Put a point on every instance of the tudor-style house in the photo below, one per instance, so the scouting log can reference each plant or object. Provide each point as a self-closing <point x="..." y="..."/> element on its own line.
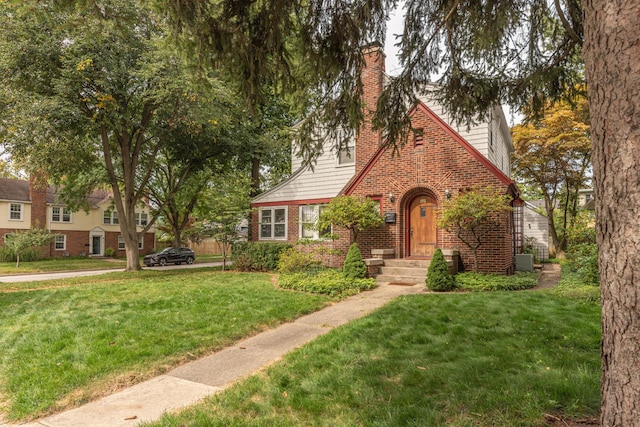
<point x="442" y="160"/>
<point x="23" y="205"/>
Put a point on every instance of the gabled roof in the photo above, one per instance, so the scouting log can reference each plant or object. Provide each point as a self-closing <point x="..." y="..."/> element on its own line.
<point x="17" y="190"/>
<point x="357" y="178"/>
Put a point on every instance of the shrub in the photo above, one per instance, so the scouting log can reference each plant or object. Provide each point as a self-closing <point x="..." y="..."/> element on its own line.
<point x="478" y="282"/>
<point x="354" y="267"/>
<point x="109" y="252"/>
<point x="438" y="277"/>
<point x="9" y="255"/>
<point x="294" y="261"/>
<point x="327" y="282"/>
<point x="573" y="286"/>
<point x="257" y="256"/>
<point x="584" y="260"/>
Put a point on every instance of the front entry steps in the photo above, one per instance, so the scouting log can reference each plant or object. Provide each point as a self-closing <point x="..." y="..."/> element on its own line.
<point x="403" y="271"/>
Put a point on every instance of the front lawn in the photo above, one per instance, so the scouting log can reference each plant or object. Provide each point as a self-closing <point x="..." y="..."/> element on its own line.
<point x="66" y="341"/>
<point x="470" y="359"/>
<point x="60" y="264"/>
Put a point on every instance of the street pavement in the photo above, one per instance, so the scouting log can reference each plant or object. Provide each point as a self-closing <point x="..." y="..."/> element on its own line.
<point x="68" y="274"/>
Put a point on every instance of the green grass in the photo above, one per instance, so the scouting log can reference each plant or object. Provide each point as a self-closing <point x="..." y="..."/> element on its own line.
<point x="471" y="359"/>
<point x="479" y="282"/>
<point x="67" y="341"/>
<point x="59" y="264"/>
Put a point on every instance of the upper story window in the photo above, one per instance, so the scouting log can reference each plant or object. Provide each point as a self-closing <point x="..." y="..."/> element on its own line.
<point x="347" y="155"/>
<point x="110" y="217"/>
<point x="141" y="218"/>
<point x="60" y="214"/>
<point x="16" y="211"/>
<point x="273" y="223"/>
<point x="309" y="215"/>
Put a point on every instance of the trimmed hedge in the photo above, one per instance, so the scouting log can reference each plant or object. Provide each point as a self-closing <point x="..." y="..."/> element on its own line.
<point x="257" y="256"/>
<point x="327" y="282"/>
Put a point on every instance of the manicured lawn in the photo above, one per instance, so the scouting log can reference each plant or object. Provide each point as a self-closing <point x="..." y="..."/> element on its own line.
<point x="67" y="341"/>
<point x="60" y="264"/>
<point x="476" y="359"/>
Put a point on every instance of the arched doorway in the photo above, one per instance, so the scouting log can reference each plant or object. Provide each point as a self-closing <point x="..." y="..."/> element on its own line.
<point x="421" y="230"/>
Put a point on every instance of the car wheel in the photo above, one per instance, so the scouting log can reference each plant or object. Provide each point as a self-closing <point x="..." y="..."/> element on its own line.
<point x="178" y="263"/>
<point x="190" y="260"/>
<point x="162" y="262"/>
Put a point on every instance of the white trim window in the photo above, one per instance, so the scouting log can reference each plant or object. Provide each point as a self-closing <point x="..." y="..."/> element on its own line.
<point x="110" y="217"/>
<point x="60" y="214"/>
<point x="141" y="219"/>
<point x="309" y="215"/>
<point x="273" y="223"/>
<point x="16" y="212"/>
<point x="60" y="242"/>
<point x="121" y="243"/>
<point x="347" y="156"/>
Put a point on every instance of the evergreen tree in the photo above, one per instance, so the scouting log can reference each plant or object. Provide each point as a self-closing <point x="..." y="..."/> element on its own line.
<point x="438" y="277"/>
<point x="354" y="267"/>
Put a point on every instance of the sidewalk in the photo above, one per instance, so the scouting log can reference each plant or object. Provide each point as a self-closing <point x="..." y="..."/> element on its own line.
<point x="191" y="382"/>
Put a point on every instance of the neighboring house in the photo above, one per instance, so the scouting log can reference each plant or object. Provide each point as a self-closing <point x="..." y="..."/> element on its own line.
<point x="586" y="199"/>
<point x="535" y="229"/>
<point x="24" y="205"/>
<point x="439" y="161"/>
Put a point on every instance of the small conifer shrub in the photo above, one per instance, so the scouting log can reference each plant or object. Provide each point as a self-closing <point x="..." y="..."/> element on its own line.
<point x="438" y="277"/>
<point x="354" y="267"/>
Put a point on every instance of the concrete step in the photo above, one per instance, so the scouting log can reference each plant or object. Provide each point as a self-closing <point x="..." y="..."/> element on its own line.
<point x="407" y="263"/>
<point x="404" y="271"/>
<point x="381" y="278"/>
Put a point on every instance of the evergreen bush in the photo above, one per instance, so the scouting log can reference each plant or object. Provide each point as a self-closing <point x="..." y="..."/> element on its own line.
<point x="438" y="277"/>
<point x="354" y="267"/>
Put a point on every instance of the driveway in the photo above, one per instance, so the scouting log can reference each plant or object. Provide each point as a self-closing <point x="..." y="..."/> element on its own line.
<point x="67" y="274"/>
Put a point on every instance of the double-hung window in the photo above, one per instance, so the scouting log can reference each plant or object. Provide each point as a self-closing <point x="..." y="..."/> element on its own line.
<point x="121" y="243"/>
<point x="60" y="242"/>
<point x="110" y="217"/>
<point x="273" y="223"/>
<point x="60" y="214"/>
<point x="16" y="211"/>
<point x="309" y="215"/>
<point x="140" y="218"/>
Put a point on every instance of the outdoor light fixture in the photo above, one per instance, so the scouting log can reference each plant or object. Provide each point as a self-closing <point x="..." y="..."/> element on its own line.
<point x="391" y="198"/>
<point x="447" y="194"/>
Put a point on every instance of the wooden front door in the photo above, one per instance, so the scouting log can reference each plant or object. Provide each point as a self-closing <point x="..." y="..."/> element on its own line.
<point x="422" y="226"/>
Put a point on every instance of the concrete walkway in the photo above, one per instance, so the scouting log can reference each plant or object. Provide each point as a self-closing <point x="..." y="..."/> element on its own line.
<point x="191" y="382"/>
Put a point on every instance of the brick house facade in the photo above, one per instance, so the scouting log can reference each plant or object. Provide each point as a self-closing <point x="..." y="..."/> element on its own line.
<point x="27" y="204"/>
<point x="410" y="185"/>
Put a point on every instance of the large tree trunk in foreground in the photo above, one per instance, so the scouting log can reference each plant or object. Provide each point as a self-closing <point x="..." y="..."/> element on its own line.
<point x="612" y="58"/>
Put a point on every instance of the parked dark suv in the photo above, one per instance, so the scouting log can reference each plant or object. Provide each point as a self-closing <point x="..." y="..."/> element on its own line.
<point x="170" y="255"/>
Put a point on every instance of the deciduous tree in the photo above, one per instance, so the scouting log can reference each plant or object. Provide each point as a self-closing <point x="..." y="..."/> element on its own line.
<point x="353" y="213"/>
<point x="474" y="214"/>
<point x="94" y="93"/>
<point x="553" y="155"/>
<point x="26" y="239"/>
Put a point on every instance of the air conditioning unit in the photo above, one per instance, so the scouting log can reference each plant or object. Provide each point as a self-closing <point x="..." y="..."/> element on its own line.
<point x="524" y="262"/>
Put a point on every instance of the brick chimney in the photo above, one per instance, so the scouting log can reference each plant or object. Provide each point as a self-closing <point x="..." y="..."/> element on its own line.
<point x="372" y="78"/>
<point x="38" y="196"/>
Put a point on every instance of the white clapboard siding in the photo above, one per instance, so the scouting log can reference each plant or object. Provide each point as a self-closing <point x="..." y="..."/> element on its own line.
<point x="536" y="225"/>
<point x="324" y="181"/>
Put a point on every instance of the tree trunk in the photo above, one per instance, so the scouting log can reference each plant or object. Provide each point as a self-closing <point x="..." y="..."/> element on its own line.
<point x="612" y="58"/>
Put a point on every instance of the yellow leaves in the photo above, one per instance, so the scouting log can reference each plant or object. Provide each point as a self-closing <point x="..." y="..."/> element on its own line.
<point x="84" y="64"/>
<point x="104" y="99"/>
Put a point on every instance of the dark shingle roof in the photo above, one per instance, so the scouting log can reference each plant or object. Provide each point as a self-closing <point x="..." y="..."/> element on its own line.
<point x="17" y="190"/>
